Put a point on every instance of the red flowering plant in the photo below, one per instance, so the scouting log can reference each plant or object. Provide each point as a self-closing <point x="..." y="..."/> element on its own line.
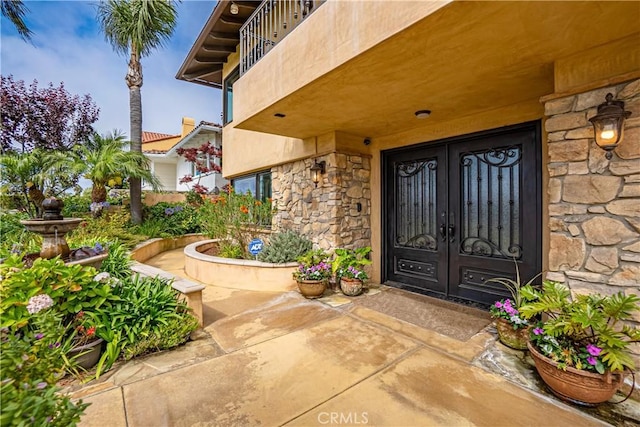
<point x="83" y="331"/>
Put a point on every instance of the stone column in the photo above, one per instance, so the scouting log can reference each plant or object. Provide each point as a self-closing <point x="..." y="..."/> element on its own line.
<point x="336" y="214"/>
<point x="594" y="203"/>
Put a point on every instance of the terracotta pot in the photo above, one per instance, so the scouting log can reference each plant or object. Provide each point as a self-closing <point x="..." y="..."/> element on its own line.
<point x="312" y="288"/>
<point x="351" y="287"/>
<point x="575" y="385"/>
<point x="514" y="338"/>
<point x="86" y="356"/>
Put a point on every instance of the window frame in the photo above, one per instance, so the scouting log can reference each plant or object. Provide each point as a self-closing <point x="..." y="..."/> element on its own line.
<point x="227" y="87"/>
<point x="257" y="175"/>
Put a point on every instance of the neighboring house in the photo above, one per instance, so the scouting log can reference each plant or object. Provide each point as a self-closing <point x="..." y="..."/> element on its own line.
<point x="453" y="135"/>
<point x="169" y="167"/>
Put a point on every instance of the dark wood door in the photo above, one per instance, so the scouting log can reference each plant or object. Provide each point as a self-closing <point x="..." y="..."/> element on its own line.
<point x="460" y="211"/>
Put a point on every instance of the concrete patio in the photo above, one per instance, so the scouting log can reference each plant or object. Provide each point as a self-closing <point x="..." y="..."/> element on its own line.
<point x="278" y="359"/>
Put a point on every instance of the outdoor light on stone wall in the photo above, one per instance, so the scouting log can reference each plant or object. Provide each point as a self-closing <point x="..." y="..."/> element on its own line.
<point x="608" y="124"/>
<point x="318" y="168"/>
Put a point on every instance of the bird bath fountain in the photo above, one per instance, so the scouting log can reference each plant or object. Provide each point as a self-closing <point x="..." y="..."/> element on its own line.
<point x="53" y="229"/>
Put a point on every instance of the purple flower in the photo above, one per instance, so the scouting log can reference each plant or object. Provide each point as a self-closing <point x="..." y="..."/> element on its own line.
<point x="592" y="360"/>
<point x="169" y="211"/>
<point x="593" y="350"/>
<point x="98" y="247"/>
<point x="39" y="336"/>
<point x="498" y="304"/>
<point x="41" y="385"/>
<point x="538" y="331"/>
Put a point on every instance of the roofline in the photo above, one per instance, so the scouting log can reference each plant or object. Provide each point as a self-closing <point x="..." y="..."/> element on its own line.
<point x="204" y="33"/>
<point x="193" y="133"/>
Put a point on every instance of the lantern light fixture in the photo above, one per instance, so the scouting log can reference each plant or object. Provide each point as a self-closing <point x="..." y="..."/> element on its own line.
<point x="234" y="9"/>
<point x="318" y="168"/>
<point x="608" y="124"/>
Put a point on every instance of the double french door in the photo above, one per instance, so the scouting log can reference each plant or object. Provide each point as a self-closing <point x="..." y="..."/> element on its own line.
<point x="460" y="211"/>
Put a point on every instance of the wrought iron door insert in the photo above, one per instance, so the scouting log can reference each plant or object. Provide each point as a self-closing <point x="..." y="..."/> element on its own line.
<point x="455" y="213"/>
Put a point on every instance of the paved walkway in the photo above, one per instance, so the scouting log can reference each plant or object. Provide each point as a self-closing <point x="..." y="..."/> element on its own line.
<point x="278" y="359"/>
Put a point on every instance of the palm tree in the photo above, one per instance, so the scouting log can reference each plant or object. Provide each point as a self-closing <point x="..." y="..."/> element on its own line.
<point x="14" y="11"/>
<point x="104" y="158"/>
<point x="136" y="28"/>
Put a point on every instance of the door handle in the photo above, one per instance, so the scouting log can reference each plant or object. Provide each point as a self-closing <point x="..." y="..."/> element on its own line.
<point x="452" y="227"/>
<point x="443" y="232"/>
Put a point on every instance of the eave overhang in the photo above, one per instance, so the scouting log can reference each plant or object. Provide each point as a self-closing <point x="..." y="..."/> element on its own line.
<point x="218" y="39"/>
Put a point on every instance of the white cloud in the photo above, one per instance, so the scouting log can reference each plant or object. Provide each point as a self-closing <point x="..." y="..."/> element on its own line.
<point x="70" y="48"/>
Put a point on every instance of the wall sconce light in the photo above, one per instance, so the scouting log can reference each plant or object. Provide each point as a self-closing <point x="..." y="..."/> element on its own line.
<point x="318" y="168"/>
<point x="234" y="8"/>
<point x="608" y="124"/>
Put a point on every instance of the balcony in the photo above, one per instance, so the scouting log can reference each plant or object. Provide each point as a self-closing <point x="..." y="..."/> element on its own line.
<point x="268" y="25"/>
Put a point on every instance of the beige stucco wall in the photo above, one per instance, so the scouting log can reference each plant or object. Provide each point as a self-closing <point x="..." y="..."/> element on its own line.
<point x="335" y="33"/>
<point x="340" y="32"/>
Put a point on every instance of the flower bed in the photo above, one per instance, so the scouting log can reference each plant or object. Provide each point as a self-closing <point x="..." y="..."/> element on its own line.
<point x="236" y="273"/>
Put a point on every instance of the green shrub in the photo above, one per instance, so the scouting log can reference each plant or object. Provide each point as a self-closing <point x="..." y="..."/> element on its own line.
<point x="176" y="218"/>
<point x="230" y="250"/>
<point x="32" y="362"/>
<point x="107" y="228"/>
<point x="72" y="289"/>
<point x="76" y="205"/>
<point x="118" y="262"/>
<point x="14" y="238"/>
<point x="152" y="228"/>
<point x="285" y="247"/>
<point x="141" y="320"/>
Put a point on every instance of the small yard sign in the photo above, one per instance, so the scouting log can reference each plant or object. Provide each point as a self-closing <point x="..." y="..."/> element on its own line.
<point x="255" y="246"/>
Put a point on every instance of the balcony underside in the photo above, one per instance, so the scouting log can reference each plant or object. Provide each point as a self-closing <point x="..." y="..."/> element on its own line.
<point x="465" y="58"/>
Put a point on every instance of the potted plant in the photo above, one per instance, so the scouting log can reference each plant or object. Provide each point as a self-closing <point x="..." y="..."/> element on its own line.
<point x="86" y="346"/>
<point x="512" y="328"/>
<point x="348" y="266"/>
<point x="314" y="270"/>
<point x="582" y="348"/>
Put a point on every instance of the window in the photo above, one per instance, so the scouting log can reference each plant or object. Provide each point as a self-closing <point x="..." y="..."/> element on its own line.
<point x="258" y="184"/>
<point x="203" y="161"/>
<point x="227" y="107"/>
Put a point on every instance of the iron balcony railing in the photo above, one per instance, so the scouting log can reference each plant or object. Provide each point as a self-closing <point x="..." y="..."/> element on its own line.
<point x="269" y="24"/>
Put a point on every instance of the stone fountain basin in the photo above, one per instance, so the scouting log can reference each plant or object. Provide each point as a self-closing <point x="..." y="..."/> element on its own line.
<point x="51" y="227"/>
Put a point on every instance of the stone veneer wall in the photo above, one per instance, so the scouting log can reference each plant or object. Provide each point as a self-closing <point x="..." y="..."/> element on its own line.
<point x="594" y="203"/>
<point x="328" y="214"/>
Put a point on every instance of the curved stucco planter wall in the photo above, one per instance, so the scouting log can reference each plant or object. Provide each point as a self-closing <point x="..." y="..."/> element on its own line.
<point x="152" y="247"/>
<point x="236" y="273"/>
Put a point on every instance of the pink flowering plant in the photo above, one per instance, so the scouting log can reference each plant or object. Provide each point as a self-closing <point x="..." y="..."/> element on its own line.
<point x="353" y="273"/>
<point x="588" y="332"/>
<point x="505" y="309"/>
<point x="314" y="265"/>
<point x="509" y="309"/>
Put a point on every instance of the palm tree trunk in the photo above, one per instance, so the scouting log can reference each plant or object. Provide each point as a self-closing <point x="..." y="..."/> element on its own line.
<point x="98" y="193"/>
<point x="134" y="81"/>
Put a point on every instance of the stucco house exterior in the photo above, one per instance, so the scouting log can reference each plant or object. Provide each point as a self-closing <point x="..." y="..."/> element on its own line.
<point x="453" y="136"/>
<point x="169" y="167"/>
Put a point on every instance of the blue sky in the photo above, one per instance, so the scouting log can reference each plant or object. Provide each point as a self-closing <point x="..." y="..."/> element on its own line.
<point x="68" y="47"/>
